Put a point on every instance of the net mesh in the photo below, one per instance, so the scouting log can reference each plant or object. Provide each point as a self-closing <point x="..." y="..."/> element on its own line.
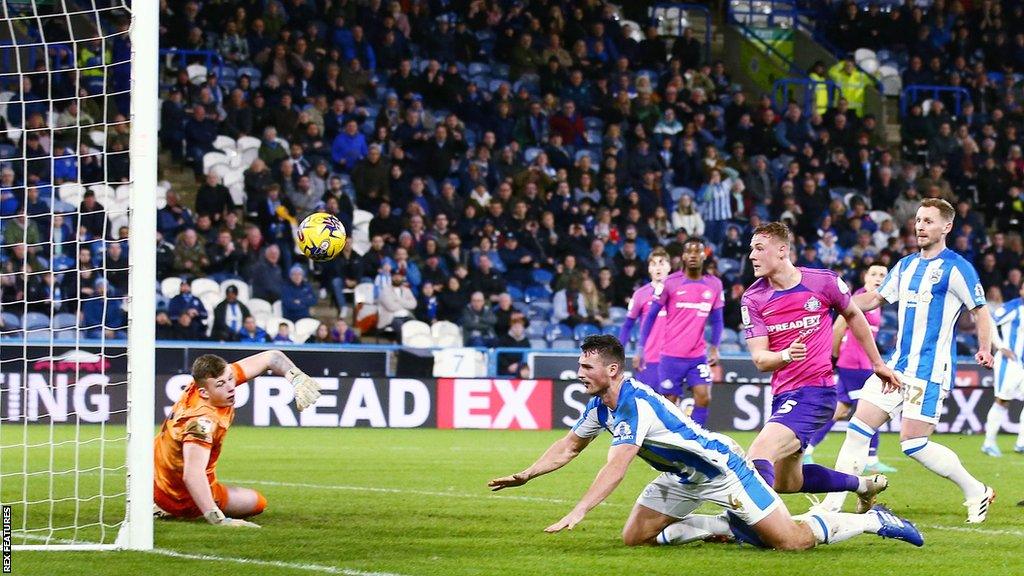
<point x="64" y="213"/>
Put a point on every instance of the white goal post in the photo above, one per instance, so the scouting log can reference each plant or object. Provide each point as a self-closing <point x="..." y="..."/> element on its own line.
<point x="77" y="389"/>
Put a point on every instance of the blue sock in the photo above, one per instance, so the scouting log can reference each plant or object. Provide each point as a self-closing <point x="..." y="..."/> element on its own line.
<point x="766" y="469"/>
<point x="699" y="414"/>
<point x="818" y="480"/>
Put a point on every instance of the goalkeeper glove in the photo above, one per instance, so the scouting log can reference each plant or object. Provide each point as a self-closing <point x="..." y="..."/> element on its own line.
<point x="306" y="389"/>
<point x="217" y="518"/>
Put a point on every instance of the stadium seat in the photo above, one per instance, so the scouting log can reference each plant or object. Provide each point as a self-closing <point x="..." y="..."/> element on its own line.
<point x="730" y="335"/>
<point x="276" y="308"/>
<point x="211" y="159"/>
<point x="446" y="334"/>
<point x="170" y="286"/>
<point x="196" y="73"/>
<point x="730" y="347"/>
<point x="225" y="144"/>
<point x="365" y="293"/>
<point x="521" y="307"/>
<point x="65" y="335"/>
<point x="531" y="154"/>
<point x="258" y="306"/>
<point x="563" y="344"/>
<point x="541" y="308"/>
<point x="583" y="330"/>
<point x="272" y="324"/>
<point x="203" y="285"/>
<point x="616" y="314"/>
<point x="71" y="192"/>
<point x="555" y="331"/>
<point x="248" y="143"/>
<point x="361" y="218"/>
<point x="64" y="320"/>
<point x="243" y="288"/>
<point x="543" y="277"/>
<point x="728" y="265"/>
<point x="538" y="343"/>
<point x="416" y="334"/>
<point x="537" y="329"/>
<point x="36" y="321"/>
<point x="10" y="320"/>
<point x="611" y="330"/>
<point x="305" y="327"/>
<point x="538" y="293"/>
<point x="516" y="293"/>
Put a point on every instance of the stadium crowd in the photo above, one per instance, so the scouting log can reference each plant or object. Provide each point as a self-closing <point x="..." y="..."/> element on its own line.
<point x="508" y="165"/>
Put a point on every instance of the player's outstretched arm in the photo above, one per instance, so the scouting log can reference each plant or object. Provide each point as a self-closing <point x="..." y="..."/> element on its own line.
<point x="196" y="457"/>
<point x="862" y="332"/>
<point x="868" y="301"/>
<point x="619" y="458"/>
<point x="307" y="391"/>
<point x="557" y="455"/>
<point x="983" y="322"/>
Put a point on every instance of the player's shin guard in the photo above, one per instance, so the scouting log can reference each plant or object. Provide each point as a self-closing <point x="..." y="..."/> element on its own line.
<point x="996" y="415"/>
<point x="835" y="527"/>
<point x="694" y="528"/>
<point x="945" y="463"/>
<point x="819" y="479"/>
<point x="852" y="458"/>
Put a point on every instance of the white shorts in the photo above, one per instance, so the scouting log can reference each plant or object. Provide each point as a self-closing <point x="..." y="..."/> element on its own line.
<point x="920" y="400"/>
<point x="1009" y="378"/>
<point x="749" y="498"/>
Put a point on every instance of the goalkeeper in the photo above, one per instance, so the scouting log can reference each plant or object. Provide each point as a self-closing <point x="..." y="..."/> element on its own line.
<point x="190" y="440"/>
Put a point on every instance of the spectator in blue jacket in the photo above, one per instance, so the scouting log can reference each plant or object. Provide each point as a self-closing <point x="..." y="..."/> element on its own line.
<point x="349" y="147"/>
<point x="250" y="332"/>
<point x="297" y="295"/>
<point x="200" y="132"/>
<point x="186" y="301"/>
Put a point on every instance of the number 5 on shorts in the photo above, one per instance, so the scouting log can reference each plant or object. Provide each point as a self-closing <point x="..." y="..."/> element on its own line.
<point x="786" y="407"/>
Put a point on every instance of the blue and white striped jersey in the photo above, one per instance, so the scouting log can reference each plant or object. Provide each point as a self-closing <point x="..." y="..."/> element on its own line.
<point x="669" y="440"/>
<point x="931" y="293"/>
<point x="1009" y="319"/>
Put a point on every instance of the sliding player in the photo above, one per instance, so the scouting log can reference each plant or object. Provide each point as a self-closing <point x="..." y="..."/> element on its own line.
<point x="854" y="369"/>
<point x="697" y="466"/>
<point x="186" y="449"/>
<point x="1009" y="318"/>
<point x="646" y="363"/>
<point x="692" y="300"/>
<point x="787" y="321"/>
<point x="932" y="287"/>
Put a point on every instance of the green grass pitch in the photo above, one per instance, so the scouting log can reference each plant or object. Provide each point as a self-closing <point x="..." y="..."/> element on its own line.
<point x="414" y="502"/>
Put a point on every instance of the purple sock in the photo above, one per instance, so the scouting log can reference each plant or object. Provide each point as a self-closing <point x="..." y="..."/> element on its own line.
<point x="766" y="469"/>
<point x="821" y="433"/>
<point x="818" y="479"/>
<point x="699" y="414"/>
<point x="873" y="448"/>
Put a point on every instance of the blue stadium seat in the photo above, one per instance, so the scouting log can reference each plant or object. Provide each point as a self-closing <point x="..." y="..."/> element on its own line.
<point x="564" y="344"/>
<point x="543" y="277"/>
<point x="537" y="329"/>
<point x="11" y="321"/>
<point x="617" y="314"/>
<point x="36" y="321"/>
<point x="515" y="292"/>
<point x="730" y="347"/>
<point x="583" y="330"/>
<point x="521" y="307"/>
<point x="64" y="320"/>
<point x="538" y="293"/>
<point x="539" y="343"/>
<point x="611" y="330"/>
<point x="555" y="331"/>
<point x="728" y="265"/>
<point x="729" y="335"/>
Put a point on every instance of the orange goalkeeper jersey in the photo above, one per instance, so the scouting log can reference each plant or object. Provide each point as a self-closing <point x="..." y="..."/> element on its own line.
<point x="191" y="420"/>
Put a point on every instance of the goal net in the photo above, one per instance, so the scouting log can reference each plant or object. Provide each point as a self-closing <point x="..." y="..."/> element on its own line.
<point x="77" y="220"/>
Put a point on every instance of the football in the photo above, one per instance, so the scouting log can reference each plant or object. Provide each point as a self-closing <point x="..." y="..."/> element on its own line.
<point x="321" y="236"/>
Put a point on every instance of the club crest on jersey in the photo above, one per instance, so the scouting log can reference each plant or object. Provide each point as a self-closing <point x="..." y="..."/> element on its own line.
<point x="936" y="275"/>
<point x="812" y="304"/>
<point x="707" y="295"/>
<point x="623" y="431"/>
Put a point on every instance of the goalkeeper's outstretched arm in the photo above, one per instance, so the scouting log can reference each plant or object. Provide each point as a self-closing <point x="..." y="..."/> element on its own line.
<point x="306" y="389"/>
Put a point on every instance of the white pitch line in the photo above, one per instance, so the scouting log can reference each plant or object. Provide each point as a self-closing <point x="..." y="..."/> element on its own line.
<point x="438" y="493"/>
<point x="988" y="531"/>
<point x="319" y="568"/>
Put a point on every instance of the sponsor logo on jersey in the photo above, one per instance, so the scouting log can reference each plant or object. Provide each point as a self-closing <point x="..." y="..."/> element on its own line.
<point x="812" y="304"/>
<point x="844" y="288"/>
<point x="745" y="316"/>
<point x="914" y="298"/>
<point x="801" y="324"/>
<point x="698" y="306"/>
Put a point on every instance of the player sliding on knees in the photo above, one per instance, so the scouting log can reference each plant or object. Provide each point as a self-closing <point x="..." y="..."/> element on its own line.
<point x="788" y="327"/>
<point x="190" y="440"/>
<point x="697" y="466"/>
<point x="932" y="287"/>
